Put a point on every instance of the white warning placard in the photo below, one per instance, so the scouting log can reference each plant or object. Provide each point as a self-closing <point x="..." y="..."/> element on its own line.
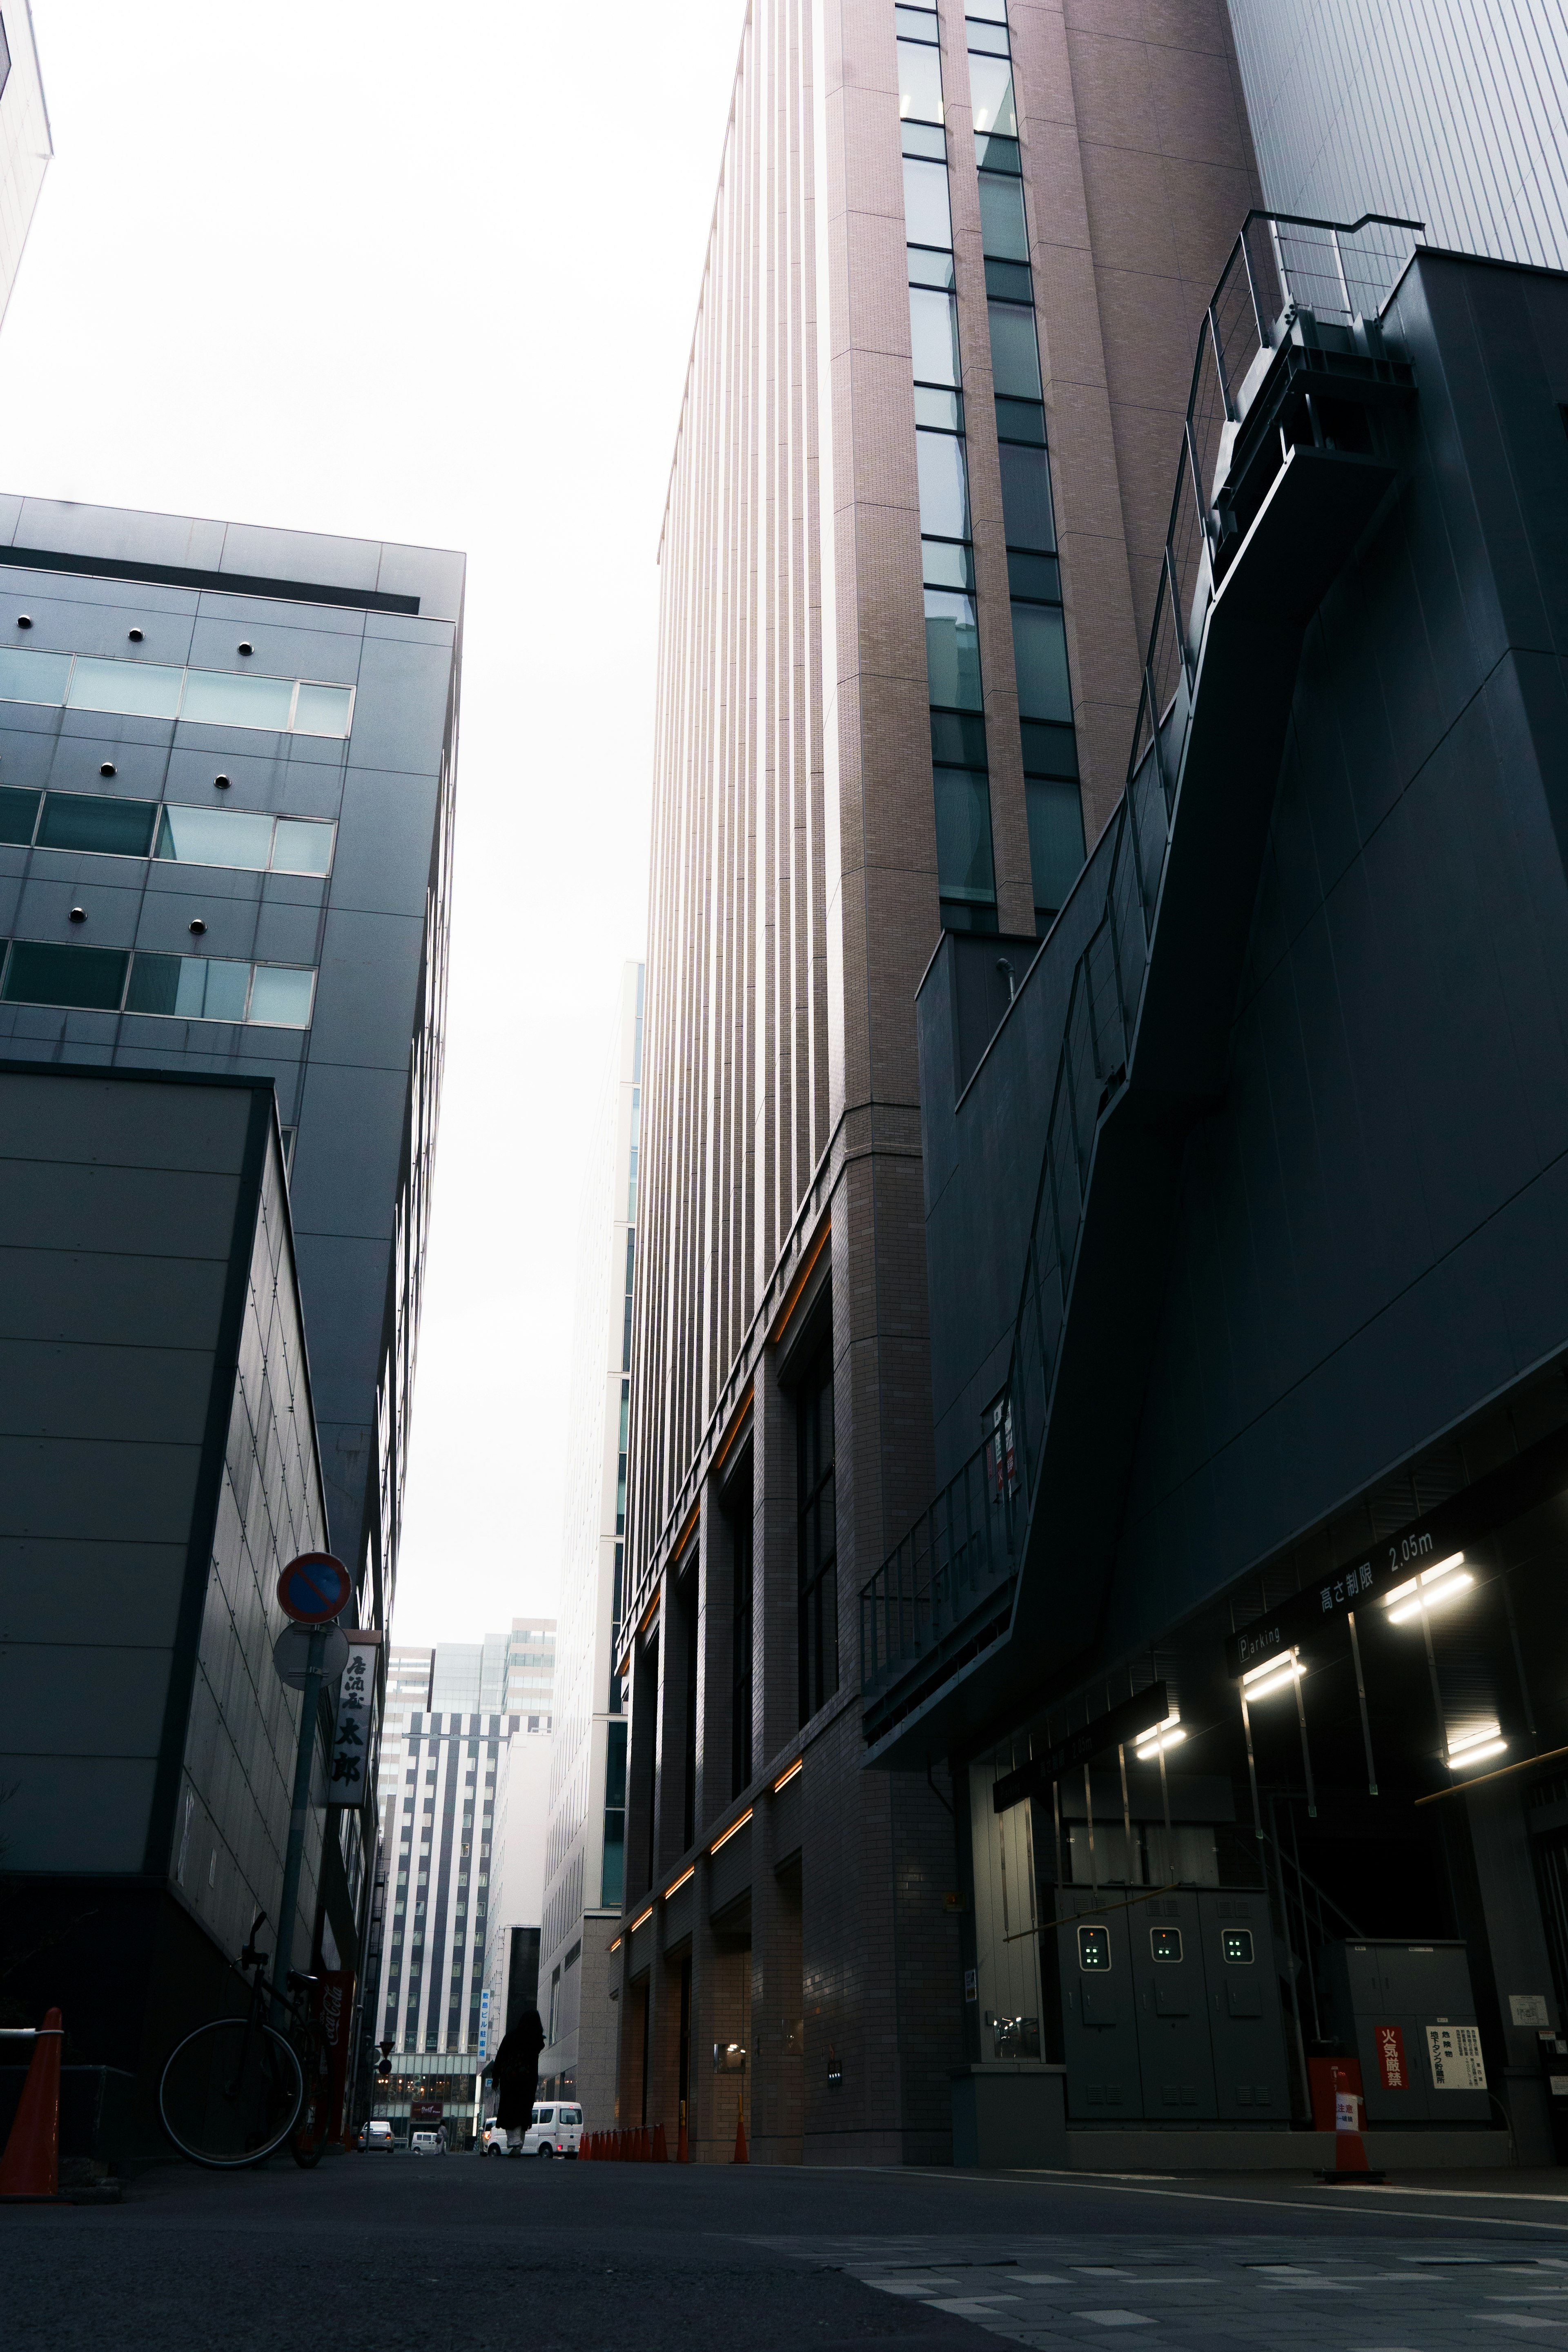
<point x="1455" y="2052"/>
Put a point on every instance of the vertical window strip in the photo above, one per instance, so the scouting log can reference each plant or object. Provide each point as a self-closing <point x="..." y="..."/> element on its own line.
<point x="1047" y="733"/>
<point x="960" y="769"/>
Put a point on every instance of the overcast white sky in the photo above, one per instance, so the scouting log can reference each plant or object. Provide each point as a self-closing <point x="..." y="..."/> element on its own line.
<point x="428" y="274"/>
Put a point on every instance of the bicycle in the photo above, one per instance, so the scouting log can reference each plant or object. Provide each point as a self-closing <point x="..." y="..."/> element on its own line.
<point x="231" y="2092"/>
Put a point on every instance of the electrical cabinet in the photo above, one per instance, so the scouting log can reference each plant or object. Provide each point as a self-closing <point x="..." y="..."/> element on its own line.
<point x="1171" y="2008"/>
<point x="1407" y="2012"/>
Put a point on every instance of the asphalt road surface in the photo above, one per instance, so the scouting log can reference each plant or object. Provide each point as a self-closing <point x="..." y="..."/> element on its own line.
<point x="553" y="2257"/>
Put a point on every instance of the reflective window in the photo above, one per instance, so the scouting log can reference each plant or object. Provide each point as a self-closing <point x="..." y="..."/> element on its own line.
<point x="990" y="39"/>
<point x="1056" y="839"/>
<point x="200" y="988"/>
<point x="928" y="220"/>
<point x="1001" y="229"/>
<point x="322" y="710"/>
<point x="1014" y="352"/>
<point x="1026" y="498"/>
<point x="817" y="1535"/>
<point x="150" y="690"/>
<point x="933" y="336"/>
<point x="1040" y="655"/>
<point x="953" y="650"/>
<point x="301" y="847"/>
<point x="18" y="814"/>
<point x="139" y="689"/>
<point x="84" y="821"/>
<point x="227" y="698"/>
<point x="38" y="972"/>
<point x="963" y="864"/>
<point x="995" y="11"/>
<point x="946" y="564"/>
<point x="991" y="91"/>
<point x="928" y="267"/>
<point x="942" y="411"/>
<point x="920" y="83"/>
<point x="915" y="24"/>
<point x="202" y="836"/>
<point x="280" y="996"/>
<point x="34" y="677"/>
<point x="944" y="485"/>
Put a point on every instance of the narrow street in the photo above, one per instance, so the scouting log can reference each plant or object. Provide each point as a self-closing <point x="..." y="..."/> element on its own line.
<point x="558" y="2257"/>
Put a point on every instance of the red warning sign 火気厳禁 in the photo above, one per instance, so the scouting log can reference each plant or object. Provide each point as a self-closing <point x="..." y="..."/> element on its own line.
<point x="1391" y="2064"/>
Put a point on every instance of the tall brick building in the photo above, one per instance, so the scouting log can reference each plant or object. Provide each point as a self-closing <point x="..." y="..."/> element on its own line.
<point x="919" y="498"/>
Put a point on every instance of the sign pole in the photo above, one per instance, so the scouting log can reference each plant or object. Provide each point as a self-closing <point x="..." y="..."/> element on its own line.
<point x="294" y="1858"/>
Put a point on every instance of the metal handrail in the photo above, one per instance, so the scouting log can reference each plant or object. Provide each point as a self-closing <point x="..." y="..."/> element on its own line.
<point x="953" y="1561"/>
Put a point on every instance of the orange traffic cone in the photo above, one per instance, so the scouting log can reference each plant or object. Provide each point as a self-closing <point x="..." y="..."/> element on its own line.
<point x="660" y="2151"/>
<point x="30" y="2168"/>
<point x="1350" y="2149"/>
<point x="585" y="2148"/>
<point x="740" y="2156"/>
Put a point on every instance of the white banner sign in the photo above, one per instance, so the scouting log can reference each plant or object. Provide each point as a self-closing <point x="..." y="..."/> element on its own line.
<point x="1456" y="2055"/>
<point x="348" y="1783"/>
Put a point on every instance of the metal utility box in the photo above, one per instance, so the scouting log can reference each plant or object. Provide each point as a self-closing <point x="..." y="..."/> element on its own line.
<point x="1171" y="2008"/>
<point x="1407" y="2012"/>
<point x="1246" y="2029"/>
<point x="1099" y="2011"/>
<point x="1175" y="2060"/>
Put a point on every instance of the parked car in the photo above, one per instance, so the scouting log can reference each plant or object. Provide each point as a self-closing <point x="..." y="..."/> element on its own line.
<point x="428" y="2143"/>
<point x="492" y="2137"/>
<point x="554" y="2131"/>
<point x="378" y="2133"/>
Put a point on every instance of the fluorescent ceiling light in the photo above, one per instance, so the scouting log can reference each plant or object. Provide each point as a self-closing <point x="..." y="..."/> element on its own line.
<point x="1471" y="1745"/>
<point x="1160" y="1736"/>
<point x="1278" y="1675"/>
<point x="1443" y="1581"/>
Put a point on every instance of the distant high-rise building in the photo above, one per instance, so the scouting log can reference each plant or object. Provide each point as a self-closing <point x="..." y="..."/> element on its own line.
<point x="1454" y="112"/>
<point x="586" y="1844"/>
<point x="460" y="1793"/>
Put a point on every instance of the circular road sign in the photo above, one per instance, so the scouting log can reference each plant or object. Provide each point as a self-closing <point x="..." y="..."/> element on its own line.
<point x="291" y="1655"/>
<point x="314" y="1588"/>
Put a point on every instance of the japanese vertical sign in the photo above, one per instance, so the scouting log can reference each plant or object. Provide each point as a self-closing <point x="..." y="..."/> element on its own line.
<point x="350" y="1737"/>
<point x="1455" y="2055"/>
<point x="1391" y="2069"/>
<point x="485" y="2027"/>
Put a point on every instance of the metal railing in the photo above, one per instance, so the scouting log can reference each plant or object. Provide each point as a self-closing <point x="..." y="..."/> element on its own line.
<point x="967" y="1548"/>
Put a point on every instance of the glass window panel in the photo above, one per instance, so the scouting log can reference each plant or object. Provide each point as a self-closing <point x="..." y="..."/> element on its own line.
<point x="322" y="710"/>
<point x="34" y="677"/>
<point x="1014" y="352"/>
<point x="1010" y="281"/>
<point x="199" y="837"/>
<point x="986" y="40"/>
<point x="18" y="814"/>
<point x="228" y="698"/>
<point x="991" y="91"/>
<point x="280" y="996"/>
<point x="1056" y="839"/>
<point x="933" y="336"/>
<point x="927" y="268"/>
<point x="919" y="82"/>
<point x="927" y="217"/>
<point x="1001" y="230"/>
<point x="1026" y="510"/>
<point x="993" y="11"/>
<point x="953" y="650"/>
<point x="40" y="973"/>
<point x="957" y="741"/>
<point x="1048" y="750"/>
<point x="195" y="988"/>
<point x="994" y="153"/>
<point x="919" y="24"/>
<point x="946" y="564"/>
<point x="1021" y="420"/>
<point x="84" y="821"/>
<point x="139" y="689"/>
<point x="927" y="139"/>
<point x="1036" y="578"/>
<point x="1040" y="655"/>
<point x="301" y="847"/>
<point x="944" y="485"/>
<point x="942" y="411"/>
<point x="964" y="865"/>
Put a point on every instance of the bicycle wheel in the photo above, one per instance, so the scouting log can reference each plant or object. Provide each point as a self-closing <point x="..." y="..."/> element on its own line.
<point x="230" y="2093"/>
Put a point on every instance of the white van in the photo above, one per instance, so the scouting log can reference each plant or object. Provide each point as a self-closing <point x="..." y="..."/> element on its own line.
<point x="492" y="2139"/>
<point x="428" y="2143"/>
<point x="554" y="2131"/>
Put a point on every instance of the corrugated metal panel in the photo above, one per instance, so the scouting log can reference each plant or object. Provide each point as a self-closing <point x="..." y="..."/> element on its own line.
<point x="1452" y="111"/>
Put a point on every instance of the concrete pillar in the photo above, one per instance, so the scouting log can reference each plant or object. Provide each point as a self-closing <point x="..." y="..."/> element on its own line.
<point x="775" y="1708"/>
<point x="715" y="1604"/>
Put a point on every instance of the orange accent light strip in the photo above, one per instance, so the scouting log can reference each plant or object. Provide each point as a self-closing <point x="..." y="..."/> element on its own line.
<point x="641" y="1921"/>
<point x="785" y="1778"/>
<point x="681" y="1882"/>
<point x="730" y="1833"/>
